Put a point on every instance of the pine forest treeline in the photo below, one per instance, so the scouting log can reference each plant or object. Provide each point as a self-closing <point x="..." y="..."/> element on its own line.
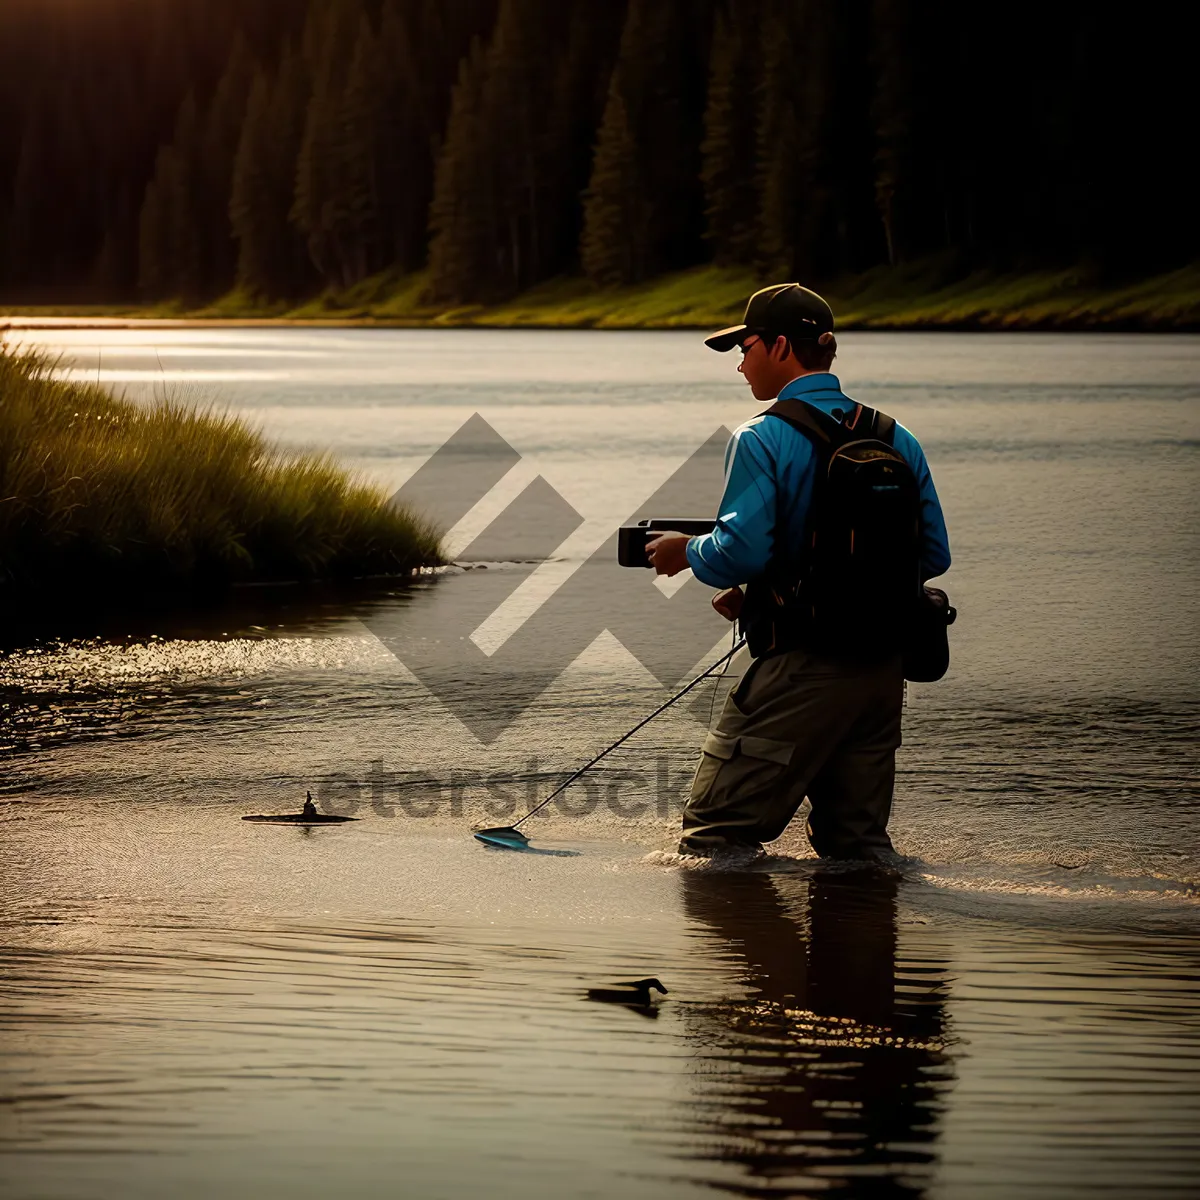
<point x="177" y="149"/>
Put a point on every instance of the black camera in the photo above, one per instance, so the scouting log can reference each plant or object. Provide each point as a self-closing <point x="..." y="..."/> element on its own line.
<point x="632" y="539"/>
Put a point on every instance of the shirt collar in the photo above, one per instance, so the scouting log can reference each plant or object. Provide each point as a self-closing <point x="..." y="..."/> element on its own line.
<point x="819" y="381"/>
<point x="822" y="389"/>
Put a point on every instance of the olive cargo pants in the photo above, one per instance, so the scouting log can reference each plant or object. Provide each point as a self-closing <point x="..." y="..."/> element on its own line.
<point x="800" y="725"/>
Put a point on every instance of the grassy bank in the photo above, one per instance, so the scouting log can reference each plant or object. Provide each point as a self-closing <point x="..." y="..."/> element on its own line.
<point x="104" y="500"/>
<point x="926" y="295"/>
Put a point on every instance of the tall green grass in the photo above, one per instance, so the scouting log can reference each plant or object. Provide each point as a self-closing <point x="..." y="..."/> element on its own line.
<point x="103" y="498"/>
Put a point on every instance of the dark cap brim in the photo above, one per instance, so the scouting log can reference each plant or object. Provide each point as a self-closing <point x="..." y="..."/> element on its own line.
<point x="726" y="339"/>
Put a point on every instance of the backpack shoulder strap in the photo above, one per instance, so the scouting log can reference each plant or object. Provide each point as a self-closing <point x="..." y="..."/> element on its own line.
<point x="819" y="428"/>
<point x="882" y="427"/>
<point x="827" y="432"/>
<point x="871" y="423"/>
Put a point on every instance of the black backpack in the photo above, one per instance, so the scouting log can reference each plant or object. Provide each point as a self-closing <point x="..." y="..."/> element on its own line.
<point x="850" y="590"/>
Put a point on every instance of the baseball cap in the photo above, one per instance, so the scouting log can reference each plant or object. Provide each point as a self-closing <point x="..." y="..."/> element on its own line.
<point x="783" y="308"/>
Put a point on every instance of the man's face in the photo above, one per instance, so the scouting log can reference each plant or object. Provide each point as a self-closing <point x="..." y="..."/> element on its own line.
<point x="758" y="366"/>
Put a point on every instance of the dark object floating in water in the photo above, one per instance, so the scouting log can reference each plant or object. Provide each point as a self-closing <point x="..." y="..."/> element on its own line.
<point x="504" y="837"/>
<point x="634" y="992"/>
<point x="308" y="815"/>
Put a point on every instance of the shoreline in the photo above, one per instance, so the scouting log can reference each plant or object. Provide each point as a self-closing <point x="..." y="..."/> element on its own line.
<point x="80" y="322"/>
<point x="919" y="299"/>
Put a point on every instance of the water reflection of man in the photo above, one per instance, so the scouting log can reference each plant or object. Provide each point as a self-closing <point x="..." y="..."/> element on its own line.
<point x="839" y="1060"/>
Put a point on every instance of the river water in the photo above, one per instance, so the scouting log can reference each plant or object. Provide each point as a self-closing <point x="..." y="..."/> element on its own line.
<point x="193" y="1005"/>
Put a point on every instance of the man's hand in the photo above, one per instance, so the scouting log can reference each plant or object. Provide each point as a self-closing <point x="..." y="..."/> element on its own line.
<point x="729" y="603"/>
<point x="668" y="553"/>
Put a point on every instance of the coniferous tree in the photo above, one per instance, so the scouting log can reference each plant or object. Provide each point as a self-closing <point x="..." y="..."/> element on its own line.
<point x="789" y="138"/>
<point x="329" y="41"/>
<point x="171" y="227"/>
<point x="519" y="147"/>
<point x="460" y="216"/>
<point x="251" y="212"/>
<point x="289" y="106"/>
<point x="443" y="35"/>
<point x="658" y="82"/>
<point x="576" y="109"/>
<point x="882" y="130"/>
<point x="221" y="136"/>
<point x="517" y="94"/>
<point x="423" y="43"/>
<point x="362" y="210"/>
<point x="616" y="212"/>
<point x="731" y="199"/>
<point x="270" y="254"/>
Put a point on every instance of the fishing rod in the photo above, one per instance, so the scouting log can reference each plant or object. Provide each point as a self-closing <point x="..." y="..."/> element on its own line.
<point x="509" y="837"/>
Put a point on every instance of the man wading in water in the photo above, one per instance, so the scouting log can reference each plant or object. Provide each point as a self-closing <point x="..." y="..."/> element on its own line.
<point x="832" y="550"/>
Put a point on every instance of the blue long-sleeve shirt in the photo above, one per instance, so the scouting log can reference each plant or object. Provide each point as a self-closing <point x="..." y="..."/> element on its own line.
<point x="769" y="471"/>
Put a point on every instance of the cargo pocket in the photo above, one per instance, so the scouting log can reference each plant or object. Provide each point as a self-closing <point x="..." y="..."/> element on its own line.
<point x="720" y="746"/>
<point x="768" y="749"/>
<point x="739" y="772"/>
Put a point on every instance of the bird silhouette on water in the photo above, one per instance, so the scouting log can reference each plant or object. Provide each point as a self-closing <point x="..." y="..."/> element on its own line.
<point x="308" y="815"/>
<point x="633" y="991"/>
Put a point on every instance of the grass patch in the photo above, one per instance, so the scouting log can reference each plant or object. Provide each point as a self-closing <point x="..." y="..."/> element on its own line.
<point x="684" y="300"/>
<point x="928" y="294"/>
<point x="925" y="295"/>
<point x="102" y="498"/>
<point x="916" y="298"/>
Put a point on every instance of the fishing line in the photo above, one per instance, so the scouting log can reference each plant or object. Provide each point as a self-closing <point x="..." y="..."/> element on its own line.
<point x="712" y="704"/>
<point x="626" y="736"/>
<point x="506" y="835"/>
